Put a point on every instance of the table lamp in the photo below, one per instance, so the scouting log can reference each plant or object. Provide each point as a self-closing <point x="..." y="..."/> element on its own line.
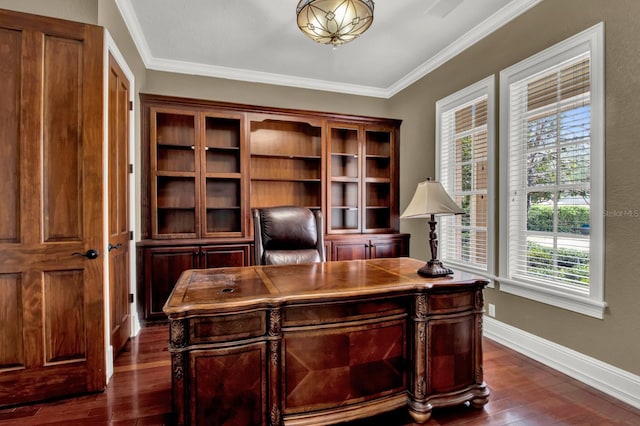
<point x="430" y="200"/>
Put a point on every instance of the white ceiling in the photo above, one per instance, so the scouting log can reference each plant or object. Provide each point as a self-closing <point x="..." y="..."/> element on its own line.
<point x="259" y="41"/>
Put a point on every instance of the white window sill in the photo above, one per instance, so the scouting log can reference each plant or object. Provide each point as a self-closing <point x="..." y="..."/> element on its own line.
<point x="560" y="299"/>
<point x="470" y="269"/>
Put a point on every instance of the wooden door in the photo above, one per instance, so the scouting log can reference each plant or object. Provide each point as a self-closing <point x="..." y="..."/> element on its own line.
<point x="119" y="230"/>
<point x="51" y="214"/>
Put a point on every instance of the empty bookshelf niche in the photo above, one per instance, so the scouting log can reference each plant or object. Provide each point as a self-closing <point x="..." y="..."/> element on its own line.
<point x="286" y="163"/>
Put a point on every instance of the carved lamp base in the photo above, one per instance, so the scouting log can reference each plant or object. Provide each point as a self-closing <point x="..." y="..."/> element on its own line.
<point x="434" y="268"/>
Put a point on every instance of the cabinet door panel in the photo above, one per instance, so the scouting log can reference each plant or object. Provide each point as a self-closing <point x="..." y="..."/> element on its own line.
<point x="216" y="257"/>
<point x="451" y="354"/>
<point x="230" y="386"/>
<point x="163" y="268"/>
<point x="387" y="248"/>
<point x="333" y="367"/>
<point x="349" y="250"/>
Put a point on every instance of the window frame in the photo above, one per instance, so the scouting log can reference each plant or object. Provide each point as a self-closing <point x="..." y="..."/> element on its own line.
<point x="482" y="88"/>
<point x="592" y="304"/>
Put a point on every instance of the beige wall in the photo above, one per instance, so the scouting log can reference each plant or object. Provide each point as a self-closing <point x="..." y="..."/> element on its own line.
<point x="614" y="340"/>
<point x="262" y="94"/>
<point x="74" y="10"/>
<point x="109" y="17"/>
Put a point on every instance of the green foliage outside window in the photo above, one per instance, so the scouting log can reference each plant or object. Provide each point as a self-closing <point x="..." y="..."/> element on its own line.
<point x="571" y="219"/>
<point x="570" y="264"/>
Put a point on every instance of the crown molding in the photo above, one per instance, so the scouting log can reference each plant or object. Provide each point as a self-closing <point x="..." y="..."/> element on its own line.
<point x="133" y="25"/>
<point x="193" y="68"/>
<point x="480" y="31"/>
<point x="497" y="20"/>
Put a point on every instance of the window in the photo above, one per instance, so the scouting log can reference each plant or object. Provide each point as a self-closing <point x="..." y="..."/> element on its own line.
<point x="551" y="187"/>
<point x="465" y="139"/>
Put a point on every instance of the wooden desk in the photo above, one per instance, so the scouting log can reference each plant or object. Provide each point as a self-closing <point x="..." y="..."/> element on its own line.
<point x="323" y="343"/>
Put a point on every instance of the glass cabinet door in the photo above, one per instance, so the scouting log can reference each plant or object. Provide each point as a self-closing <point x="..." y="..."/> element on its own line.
<point x="222" y="154"/>
<point x="344" y="176"/>
<point x="378" y="187"/>
<point x="174" y="169"/>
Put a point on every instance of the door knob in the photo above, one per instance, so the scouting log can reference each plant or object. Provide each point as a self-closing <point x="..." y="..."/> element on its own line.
<point x="90" y="254"/>
<point x="114" y="247"/>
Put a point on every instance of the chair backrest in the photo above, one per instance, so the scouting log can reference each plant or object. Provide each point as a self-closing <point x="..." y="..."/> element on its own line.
<point x="285" y="235"/>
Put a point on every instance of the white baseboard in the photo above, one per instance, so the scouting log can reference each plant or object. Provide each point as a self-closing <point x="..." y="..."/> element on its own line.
<point x="109" y="361"/>
<point x="606" y="378"/>
<point x="135" y="324"/>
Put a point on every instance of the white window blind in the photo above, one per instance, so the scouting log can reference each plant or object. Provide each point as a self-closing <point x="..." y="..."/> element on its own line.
<point x="464" y="137"/>
<point x="549" y="172"/>
<point x="547" y="188"/>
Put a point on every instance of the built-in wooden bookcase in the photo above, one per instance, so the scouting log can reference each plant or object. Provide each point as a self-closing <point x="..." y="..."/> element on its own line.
<point x="286" y="163"/>
<point x="206" y="165"/>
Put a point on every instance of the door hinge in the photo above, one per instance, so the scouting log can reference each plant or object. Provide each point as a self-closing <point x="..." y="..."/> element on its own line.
<point x="130" y="105"/>
<point x="130" y="168"/>
<point x="131" y="235"/>
<point x="130" y="297"/>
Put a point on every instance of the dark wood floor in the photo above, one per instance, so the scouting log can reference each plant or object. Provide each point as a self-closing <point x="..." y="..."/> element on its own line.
<point x="523" y="392"/>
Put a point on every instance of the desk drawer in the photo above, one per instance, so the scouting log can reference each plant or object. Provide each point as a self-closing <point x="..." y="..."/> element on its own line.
<point x="451" y="302"/>
<point x="305" y="315"/>
<point x="227" y="327"/>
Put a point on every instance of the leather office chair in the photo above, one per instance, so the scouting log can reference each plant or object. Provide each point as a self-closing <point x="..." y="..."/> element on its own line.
<point x="286" y="235"/>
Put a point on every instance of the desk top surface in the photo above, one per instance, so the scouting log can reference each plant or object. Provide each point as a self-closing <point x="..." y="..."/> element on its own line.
<point x="200" y="291"/>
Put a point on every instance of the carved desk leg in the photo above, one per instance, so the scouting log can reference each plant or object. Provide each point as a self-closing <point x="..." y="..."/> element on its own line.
<point x="177" y="341"/>
<point x="419" y="408"/>
<point x="481" y="392"/>
<point x="275" y="370"/>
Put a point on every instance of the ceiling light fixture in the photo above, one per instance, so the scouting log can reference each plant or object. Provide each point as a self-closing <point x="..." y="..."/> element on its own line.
<point x="334" y="21"/>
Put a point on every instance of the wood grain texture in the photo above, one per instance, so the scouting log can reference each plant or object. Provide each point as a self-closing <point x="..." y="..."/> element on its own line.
<point x="10" y="85"/>
<point x="53" y="337"/>
<point x="523" y="391"/>
<point x="358" y="338"/>
<point x="118" y="217"/>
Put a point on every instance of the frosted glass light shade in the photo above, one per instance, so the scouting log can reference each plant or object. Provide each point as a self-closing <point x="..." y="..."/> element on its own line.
<point x="334" y="21"/>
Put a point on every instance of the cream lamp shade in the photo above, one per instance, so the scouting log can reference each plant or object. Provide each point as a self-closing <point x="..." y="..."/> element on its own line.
<point x="429" y="199"/>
